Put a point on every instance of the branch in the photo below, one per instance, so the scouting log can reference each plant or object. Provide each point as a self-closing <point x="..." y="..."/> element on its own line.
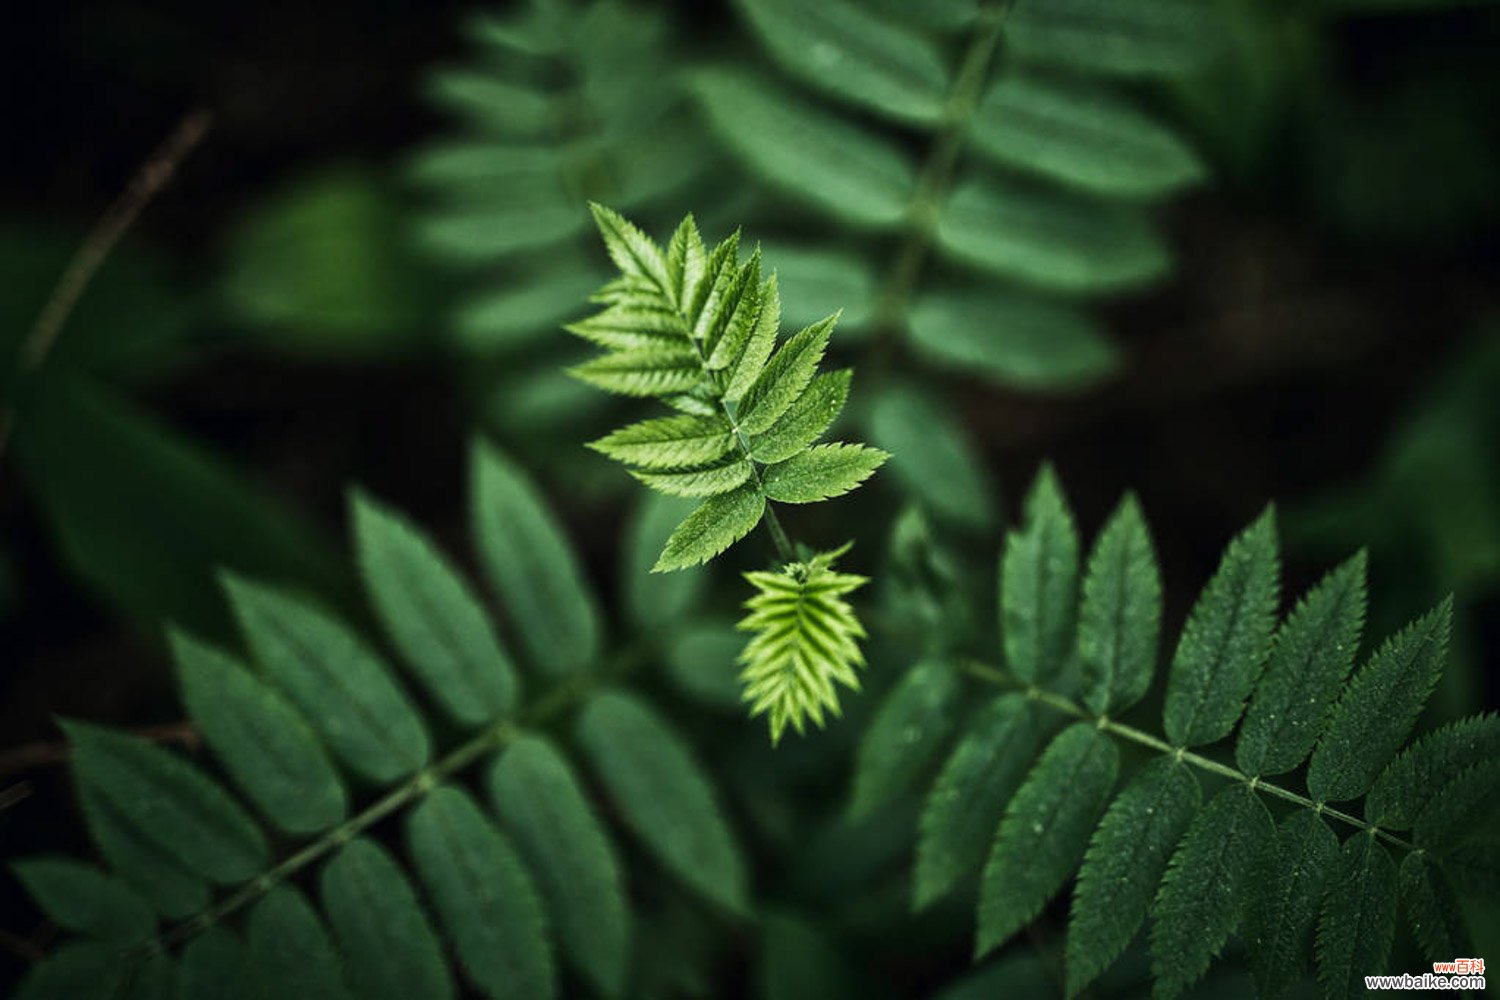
<point x="29" y="755"/>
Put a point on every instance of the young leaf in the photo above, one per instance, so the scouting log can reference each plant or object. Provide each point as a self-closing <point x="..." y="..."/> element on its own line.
<point x="156" y="871"/>
<point x="1126" y="858"/>
<point x="1313" y="651"/>
<point x="715" y="525"/>
<point x="1359" y="918"/>
<point x="784" y="378"/>
<point x="263" y="743"/>
<point x="1378" y="708"/>
<point x="710" y="482"/>
<point x="805" y="421"/>
<point x="933" y="455"/>
<point x="970" y="795"/>
<point x="907" y="732"/>
<point x="665" y="442"/>
<point x="1119" y="620"/>
<point x="1284" y="890"/>
<point x="290" y="950"/>
<point x="543" y="808"/>
<point x="1434" y="913"/>
<point x="1039" y="585"/>
<point x="483" y="896"/>
<point x="1408" y="786"/>
<point x="656" y="601"/>
<point x="663" y="794"/>
<point x="84" y="899"/>
<point x="532" y="566"/>
<point x="1226" y="639"/>
<point x="432" y="616"/>
<point x="390" y="949"/>
<point x="1203" y="891"/>
<point x="687" y="262"/>
<point x="214" y="964"/>
<point x="821" y="472"/>
<point x="1045" y="831"/>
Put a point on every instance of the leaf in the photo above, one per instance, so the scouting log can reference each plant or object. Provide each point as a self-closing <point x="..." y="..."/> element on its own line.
<point x="544" y="809"/>
<point x="1226" y="639"/>
<point x="632" y="250"/>
<point x="701" y="664"/>
<point x="841" y="169"/>
<point x="1203" y="892"/>
<point x="970" y="795"/>
<point x="1051" y="239"/>
<point x="483" y="896"/>
<point x="1045" y="831"/>
<point x="799" y="961"/>
<point x="156" y="871"/>
<point x="1313" y="651"/>
<point x="214" y="964"/>
<point x="669" y="441"/>
<point x="784" y="378"/>
<point x="1126" y="37"/>
<point x="1119" y="618"/>
<point x="1378" y="708"/>
<point x="715" y="525"/>
<point x="821" y="472"/>
<point x="263" y="743"/>
<point x="1359" y="920"/>
<point x="1284" y="890"/>
<point x="76" y="971"/>
<point x="647" y="371"/>
<point x="432" y="616"/>
<point x="814" y="281"/>
<point x="1011" y="339"/>
<point x="933" y="455"/>
<point x="1410" y="783"/>
<point x="1461" y="806"/>
<point x="169" y="803"/>
<point x="905" y="735"/>
<point x="1082" y="135"/>
<point x="532" y="566"/>
<point x="390" y="949"/>
<point x="713" y="481"/>
<point x="82" y="898"/>
<point x="1039" y="585"/>
<point x="656" y="601"/>
<point x="519" y="317"/>
<point x="866" y="60"/>
<point x="1124" y="864"/>
<point x="663" y="795"/>
<point x="805" y="420"/>
<point x="290" y="950"/>
<point x="342" y="687"/>
<point x="492" y="104"/>
<point x="759" y="341"/>
<point x="1432" y="909"/>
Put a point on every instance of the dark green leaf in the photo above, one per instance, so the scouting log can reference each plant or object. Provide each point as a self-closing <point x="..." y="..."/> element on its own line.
<point x="84" y="899"/>
<point x="1409" y="784"/>
<point x="77" y="971"/>
<point x="290" y="950"/>
<point x="1460" y="806"/>
<point x="156" y="871"/>
<point x="1432" y="909"/>
<point x="1119" y="619"/>
<point x="214" y="964"/>
<point x="702" y="663"/>
<point x="906" y="734"/>
<point x="1039" y="585"/>
<point x="933" y="455"/>
<point x="799" y="961"/>
<point x="1130" y="37"/>
<point x="1359" y="918"/>
<point x="1284" y="892"/>
<point x="655" y="601"/>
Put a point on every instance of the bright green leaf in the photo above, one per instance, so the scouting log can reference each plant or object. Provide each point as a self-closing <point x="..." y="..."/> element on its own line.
<point x="821" y="472"/>
<point x="715" y="525"/>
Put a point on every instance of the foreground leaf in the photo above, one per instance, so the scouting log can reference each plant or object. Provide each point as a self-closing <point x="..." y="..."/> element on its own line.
<point x="1119" y="619"/>
<point x="1284" y="892"/>
<point x="1039" y="585"/>
<point x="715" y="525"/>
<point x="1359" y="920"/>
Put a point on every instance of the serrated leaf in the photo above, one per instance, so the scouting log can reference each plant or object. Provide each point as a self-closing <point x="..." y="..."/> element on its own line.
<point x="342" y="687"/>
<point x="1284" y="892"/>
<point x="1127" y="37"/>
<point x="543" y="808"/>
<point x="267" y="748"/>
<point x="77" y="971"/>
<point x="290" y="950"/>
<point x="82" y="898"/>
<point x="933" y="455"/>
<point x="821" y="472"/>
<point x="656" y="601"/>
<point x="663" y="795"/>
<point x="664" y="442"/>
<point x="814" y="281"/>
<point x="532" y="566"/>
<point x="1039" y="585"/>
<point x="1410" y="783"/>
<point x="1082" y="135"/>
<point x="1432" y="909"/>
<point x="906" y="734"/>
<point x="736" y="316"/>
<point x="1045" y="831"/>
<point x="169" y="803"/>
<point x="806" y="420"/>
<point x="156" y="871"/>
<point x="759" y="342"/>
<point x="840" y="168"/>
<point x="1379" y="706"/>
<point x="1119" y="617"/>
<point x="390" y="949"/>
<point x="632" y="250"/>
<point x="1312" y="653"/>
<point x="970" y="795"/>
<point x="646" y="371"/>
<point x="710" y="482"/>
<point x="644" y="323"/>
<point x="1359" y="920"/>
<point x="483" y="896"/>
<point x="432" y="616"/>
<point x="715" y="525"/>
<point x="838" y="47"/>
<point x="1461" y="806"/>
<point x="784" y="378"/>
<point x="214" y="964"/>
<point x="1203" y="892"/>
<point x="687" y="262"/>
<point x="1224" y="644"/>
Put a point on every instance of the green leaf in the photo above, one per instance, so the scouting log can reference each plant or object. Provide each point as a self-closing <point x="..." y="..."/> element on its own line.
<point x="799" y="961"/>
<point x="1284" y="890"/>
<point x="1051" y="239"/>
<point x="490" y="103"/>
<point x="864" y="59"/>
<point x="821" y="472"/>
<point x="82" y="898"/>
<point x="1039" y="585"/>
<point x="1411" y="782"/>
<point x="758" y="343"/>
<point x="483" y="896"/>
<point x="687" y="262"/>
<point x="669" y="441"/>
<point x="290" y="950"/>
<point x="389" y="947"/>
<point x="702" y="663"/>
<point x="342" y="687"/>
<point x="1082" y="135"/>
<point x="1378" y="708"/>
<point x="1119" y="619"/>
<point x="169" y="803"/>
<point x="906" y="734"/>
<point x="214" y="964"/>
<point x="663" y="795"/>
<point x="715" y="525"/>
<point x="647" y="371"/>
<point x="1203" y="892"/>
<point x="544" y="809"/>
<point x="784" y="378"/>
<point x="806" y="420"/>
<point x="1126" y="858"/>
<point x="522" y="316"/>
<point x="1314" y="649"/>
<point x="1127" y="37"/>
<point x="1045" y="831"/>
<point x="710" y="482"/>
<point x="969" y="798"/>
<point x="1432" y="909"/>
<point x="656" y="601"/>
<point x="267" y="748"/>
<point x="842" y="169"/>
<point x="156" y="871"/>
<point x="1460" y="807"/>
<point x="154" y="977"/>
<point x="76" y="971"/>
<point x="632" y="250"/>
<point x="814" y="282"/>
<point x="532" y="566"/>
<point x="472" y="235"/>
<point x="1359" y="919"/>
<point x="1011" y="339"/>
<point x="1226" y="639"/>
<point x="933" y="456"/>
<point x="432" y="616"/>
